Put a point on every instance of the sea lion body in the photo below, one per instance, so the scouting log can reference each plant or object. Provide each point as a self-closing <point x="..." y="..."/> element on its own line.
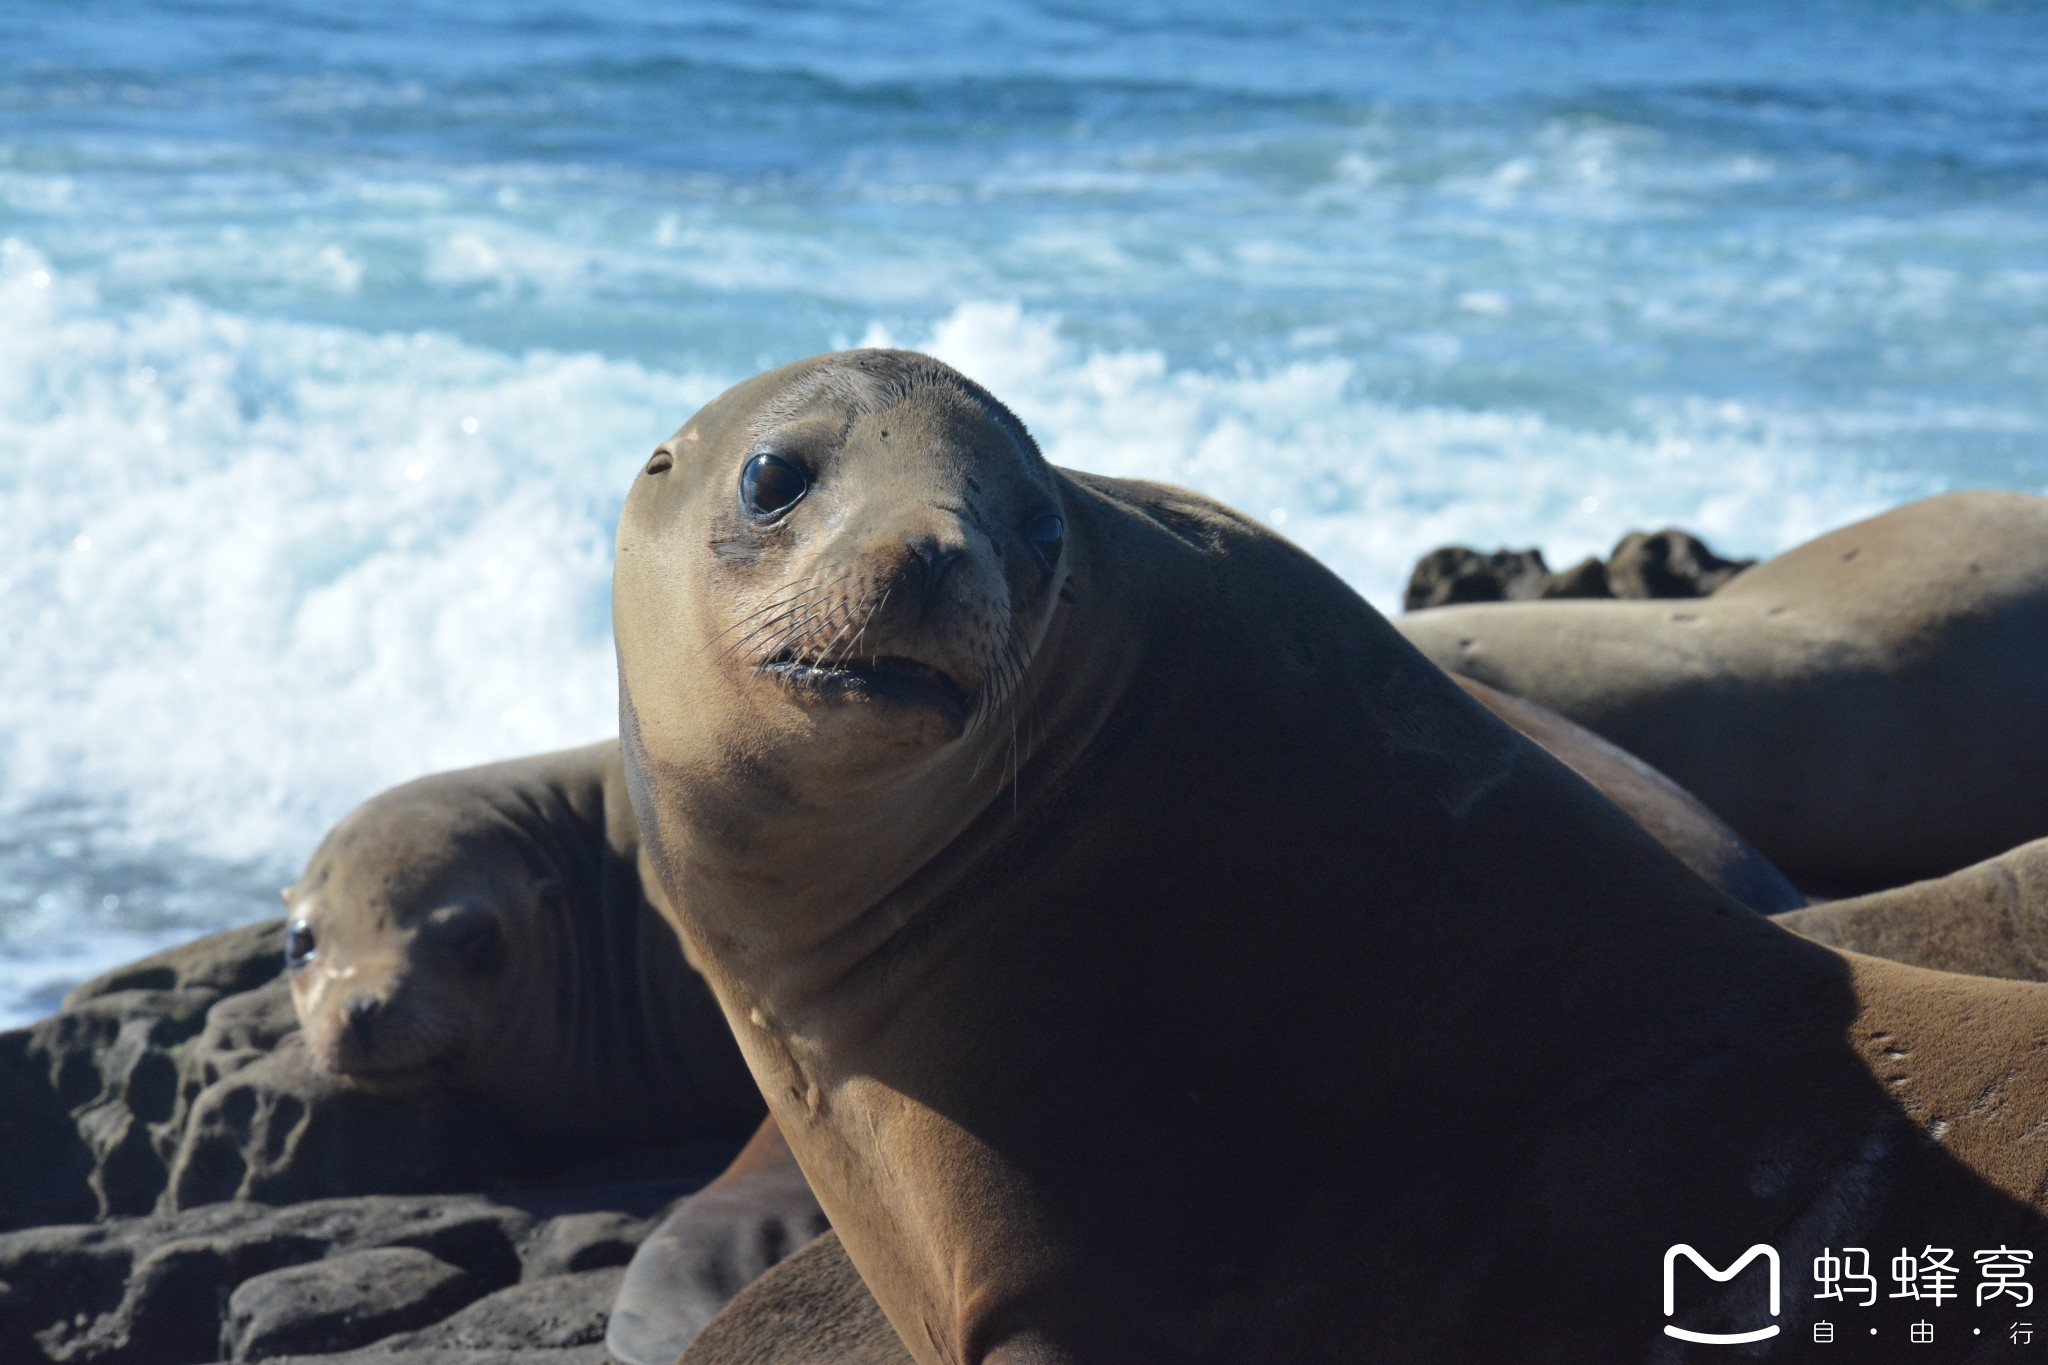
<point x="1195" y="973"/>
<point x="1868" y="709"/>
<point x="489" y="931"/>
<point x="1990" y="919"/>
<point x="1671" y="814"/>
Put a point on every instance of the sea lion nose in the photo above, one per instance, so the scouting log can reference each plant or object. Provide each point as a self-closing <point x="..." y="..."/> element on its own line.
<point x="929" y="561"/>
<point x="362" y="1016"/>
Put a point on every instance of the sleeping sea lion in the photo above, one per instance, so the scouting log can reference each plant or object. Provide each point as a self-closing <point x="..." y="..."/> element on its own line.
<point x="1869" y="708"/>
<point x="1151" y="957"/>
<point x="489" y="931"/>
<point x="1990" y="919"/>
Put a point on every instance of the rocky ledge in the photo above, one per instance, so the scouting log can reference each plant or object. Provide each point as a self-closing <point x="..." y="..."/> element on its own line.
<point x="179" y="1184"/>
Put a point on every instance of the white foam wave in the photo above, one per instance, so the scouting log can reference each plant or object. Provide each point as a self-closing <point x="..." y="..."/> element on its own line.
<point x="1368" y="486"/>
<point x="259" y="570"/>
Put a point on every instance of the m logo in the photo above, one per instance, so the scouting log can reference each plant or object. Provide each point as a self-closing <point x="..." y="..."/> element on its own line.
<point x="1671" y="1256"/>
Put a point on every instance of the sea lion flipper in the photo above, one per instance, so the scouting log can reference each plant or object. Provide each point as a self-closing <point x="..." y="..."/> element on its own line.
<point x="715" y="1243"/>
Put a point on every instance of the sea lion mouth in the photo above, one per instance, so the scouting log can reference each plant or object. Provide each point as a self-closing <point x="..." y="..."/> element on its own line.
<point x="400" y="1076"/>
<point x="883" y="678"/>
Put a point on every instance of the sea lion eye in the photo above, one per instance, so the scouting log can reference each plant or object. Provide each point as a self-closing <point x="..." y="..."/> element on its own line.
<point x="1047" y="534"/>
<point x="298" y="945"/>
<point x="771" y="483"/>
<point x="468" y="935"/>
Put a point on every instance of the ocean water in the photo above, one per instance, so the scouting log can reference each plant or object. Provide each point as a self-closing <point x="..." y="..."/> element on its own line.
<point x="330" y="335"/>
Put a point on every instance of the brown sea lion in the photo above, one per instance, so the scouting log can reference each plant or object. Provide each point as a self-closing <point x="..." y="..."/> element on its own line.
<point x="489" y="931"/>
<point x="1869" y="708"/>
<point x="1672" y="814"/>
<point x="760" y="1210"/>
<point x="1990" y="919"/>
<point x="1151" y="957"/>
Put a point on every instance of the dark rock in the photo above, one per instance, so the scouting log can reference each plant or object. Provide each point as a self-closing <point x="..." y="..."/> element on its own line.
<point x="45" y="1167"/>
<point x="342" y="1302"/>
<point x="1587" y="578"/>
<point x="1668" y="563"/>
<point x="280" y="1130"/>
<point x="381" y="1354"/>
<point x="560" y="1311"/>
<point x="153" y="1289"/>
<point x="1456" y="574"/>
<point x="109" y="1067"/>
<point x="227" y="963"/>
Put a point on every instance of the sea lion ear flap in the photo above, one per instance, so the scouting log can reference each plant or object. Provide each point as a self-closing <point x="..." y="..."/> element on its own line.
<point x="286" y="894"/>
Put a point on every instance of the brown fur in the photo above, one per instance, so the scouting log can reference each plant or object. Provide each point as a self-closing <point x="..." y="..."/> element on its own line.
<point x="1987" y="920"/>
<point x="1694" y="834"/>
<point x="810" y="1310"/>
<point x="1232" y="987"/>
<point x="1869" y="708"/>
<point x="491" y="930"/>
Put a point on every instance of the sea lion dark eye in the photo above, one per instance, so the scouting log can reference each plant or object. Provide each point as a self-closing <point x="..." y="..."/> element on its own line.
<point x="770" y="484"/>
<point x="1047" y="534"/>
<point x="298" y="945"/>
<point x="468" y="935"/>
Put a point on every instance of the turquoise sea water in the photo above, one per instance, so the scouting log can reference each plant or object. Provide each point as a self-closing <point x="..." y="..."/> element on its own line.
<point x="330" y="335"/>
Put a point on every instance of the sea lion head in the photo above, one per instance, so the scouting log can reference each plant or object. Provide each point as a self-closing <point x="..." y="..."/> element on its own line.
<point x="403" y="943"/>
<point x="833" y="577"/>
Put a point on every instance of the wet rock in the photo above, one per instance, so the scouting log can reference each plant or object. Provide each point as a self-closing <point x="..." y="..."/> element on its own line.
<point x="1668" y="563"/>
<point x="342" y="1302"/>
<point x="1661" y="564"/>
<point x="1456" y="574"/>
<point x="1587" y="578"/>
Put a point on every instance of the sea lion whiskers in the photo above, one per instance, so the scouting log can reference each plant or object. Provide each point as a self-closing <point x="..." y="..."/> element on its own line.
<point x="806" y="589"/>
<point x="783" y="608"/>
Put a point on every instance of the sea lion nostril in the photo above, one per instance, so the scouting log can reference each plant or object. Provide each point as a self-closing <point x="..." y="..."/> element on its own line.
<point x="362" y="1017"/>
<point x="932" y="561"/>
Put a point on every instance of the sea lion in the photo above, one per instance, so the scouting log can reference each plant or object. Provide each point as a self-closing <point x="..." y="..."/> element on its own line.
<point x="490" y="931"/>
<point x="761" y="1210"/>
<point x="1990" y="919"/>
<point x="1869" y="708"/>
<point x="1151" y="957"/>
<point x="1673" y="815"/>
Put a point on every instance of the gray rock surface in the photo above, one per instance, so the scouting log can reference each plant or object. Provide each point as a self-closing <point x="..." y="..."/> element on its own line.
<point x="340" y="1302"/>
